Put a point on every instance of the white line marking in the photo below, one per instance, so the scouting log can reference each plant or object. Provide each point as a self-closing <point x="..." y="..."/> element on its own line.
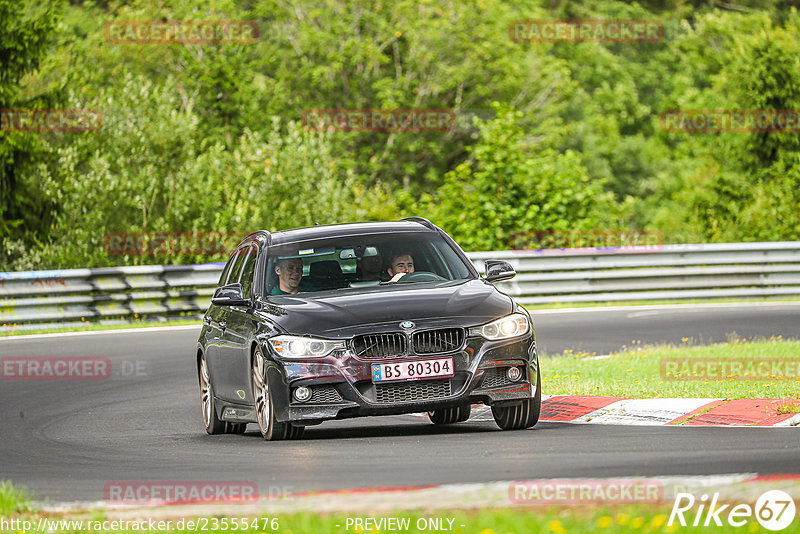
<point x="102" y="332"/>
<point x="792" y="421"/>
<point x="643" y="411"/>
<point x="666" y="307"/>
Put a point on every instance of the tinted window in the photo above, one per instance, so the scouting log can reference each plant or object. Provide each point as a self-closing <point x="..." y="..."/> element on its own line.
<point x="227" y="270"/>
<point x="358" y="261"/>
<point x="248" y="270"/>
<point x="233" y="277"/>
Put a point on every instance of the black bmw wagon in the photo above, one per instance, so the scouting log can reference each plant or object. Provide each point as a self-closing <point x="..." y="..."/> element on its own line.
<point x="349" y="320"/>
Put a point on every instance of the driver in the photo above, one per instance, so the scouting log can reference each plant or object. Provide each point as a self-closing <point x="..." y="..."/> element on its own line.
<point x="400" y="262"/>
<point x="290" y="272"/>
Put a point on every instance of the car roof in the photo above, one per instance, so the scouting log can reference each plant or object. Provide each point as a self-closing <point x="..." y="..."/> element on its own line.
<point x="347" y="229"/>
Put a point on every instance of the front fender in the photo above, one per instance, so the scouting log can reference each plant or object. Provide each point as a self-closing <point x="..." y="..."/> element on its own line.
<point x="278" y="389"/>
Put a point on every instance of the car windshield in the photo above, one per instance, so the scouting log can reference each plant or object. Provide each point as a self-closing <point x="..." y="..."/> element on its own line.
<point x="348" y="262"/>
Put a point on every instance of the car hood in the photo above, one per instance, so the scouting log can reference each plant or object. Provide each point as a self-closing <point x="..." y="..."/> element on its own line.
<point x="344" y="313"/>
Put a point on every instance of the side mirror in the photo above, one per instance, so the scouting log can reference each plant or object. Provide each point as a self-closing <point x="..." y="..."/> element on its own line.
<point x="229" y="295"/>
<point x="497" y="270"/>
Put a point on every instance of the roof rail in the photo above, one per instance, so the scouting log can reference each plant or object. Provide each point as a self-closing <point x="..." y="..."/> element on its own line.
<point x="423" y="221"/>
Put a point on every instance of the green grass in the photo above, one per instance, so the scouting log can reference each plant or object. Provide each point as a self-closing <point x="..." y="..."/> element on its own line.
<point x="791" y="407"/>
<point x="13" y="500"/>
<point x="91" y="327"/>
<point x="551" y="519"/>
<point x="605" y="517"/>
<point x="638" y="373"/>
<point x="560" y="305"/>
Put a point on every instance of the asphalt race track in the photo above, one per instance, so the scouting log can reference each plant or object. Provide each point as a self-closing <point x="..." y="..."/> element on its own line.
<point x="607" y="331"/>
<point x="66" y="439"/>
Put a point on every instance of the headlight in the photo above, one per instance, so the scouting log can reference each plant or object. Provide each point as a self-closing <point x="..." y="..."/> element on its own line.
<point x="509" y="326"/>
<point x="303" y="347"/>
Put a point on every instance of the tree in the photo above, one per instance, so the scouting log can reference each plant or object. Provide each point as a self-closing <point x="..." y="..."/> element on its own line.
<point x="736" y="186"/>
<point x="509" y="187"/>
<point x="149" y="171"/>
<point x="23" y="40"/>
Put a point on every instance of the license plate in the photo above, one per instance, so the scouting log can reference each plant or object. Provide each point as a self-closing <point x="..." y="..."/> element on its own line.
<point x="439" y="368"/>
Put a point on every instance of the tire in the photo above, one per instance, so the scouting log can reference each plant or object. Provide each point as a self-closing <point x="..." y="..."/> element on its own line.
<point x="520" y="415"/>
<point x="213" y="424"/>
<point x="448" y="416"/>
<point x="271" y="429"/>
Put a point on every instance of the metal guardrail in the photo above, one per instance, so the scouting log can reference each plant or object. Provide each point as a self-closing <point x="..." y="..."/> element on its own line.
<point x="37" y="299"/>
<point x="668" y="272"/>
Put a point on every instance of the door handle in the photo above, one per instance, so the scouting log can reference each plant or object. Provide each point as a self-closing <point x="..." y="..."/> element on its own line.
<point x="222" y="325"/>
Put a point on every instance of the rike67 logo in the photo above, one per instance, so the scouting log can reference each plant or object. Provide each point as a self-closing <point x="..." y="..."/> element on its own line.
<point x="774" y="510"/>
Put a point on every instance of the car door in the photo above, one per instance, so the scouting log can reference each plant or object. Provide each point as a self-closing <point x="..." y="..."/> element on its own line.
<point x="234" y="377"/>
<point x="215" y="317"/>
<point x="217" y="322"/>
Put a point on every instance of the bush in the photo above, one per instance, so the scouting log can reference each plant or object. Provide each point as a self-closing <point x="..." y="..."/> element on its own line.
<point x="507" y="187"/>
<point x="148" y="170"/>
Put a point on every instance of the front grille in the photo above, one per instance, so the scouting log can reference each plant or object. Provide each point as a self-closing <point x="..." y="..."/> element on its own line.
<point x="380" y="345"/>
<point x="496" y="377"/>
<point x="411" y="391"/>
<point x="442" y="340"/>
<point x="324" y="395"/>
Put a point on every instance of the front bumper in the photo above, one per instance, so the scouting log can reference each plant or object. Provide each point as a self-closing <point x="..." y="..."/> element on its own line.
<point x="342" y="385"/>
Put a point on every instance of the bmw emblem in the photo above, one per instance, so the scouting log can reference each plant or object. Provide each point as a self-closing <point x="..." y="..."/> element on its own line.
<point x="408" y="325"/>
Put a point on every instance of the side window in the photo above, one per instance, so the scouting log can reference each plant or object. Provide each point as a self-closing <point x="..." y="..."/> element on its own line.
<point x="233" y="277"/>
<point x="227" y="270"/>
<point x="450" y="260"/>
<point x="248" y="269"/>
<point x="270" y="278"/>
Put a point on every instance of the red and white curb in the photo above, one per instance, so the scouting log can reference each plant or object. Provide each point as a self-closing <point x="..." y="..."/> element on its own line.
<point x="680" y="412"/>
<point x="684" y="412"/>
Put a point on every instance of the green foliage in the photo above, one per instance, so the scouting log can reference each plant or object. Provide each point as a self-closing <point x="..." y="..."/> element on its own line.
<point x="400" y="55"/>
<point x="736" y="186"/>
<point x="149" y="170"/>
<point x="618" y="88"/>
<point x="208" y="137"/>
<point x="23" y="38"/>
<point x="509" y="187"/>
<point x="13" y="500"/>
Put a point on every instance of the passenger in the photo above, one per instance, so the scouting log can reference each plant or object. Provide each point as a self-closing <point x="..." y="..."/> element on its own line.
<point x="400" y="263"/>
<point x="290" y="273"/>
